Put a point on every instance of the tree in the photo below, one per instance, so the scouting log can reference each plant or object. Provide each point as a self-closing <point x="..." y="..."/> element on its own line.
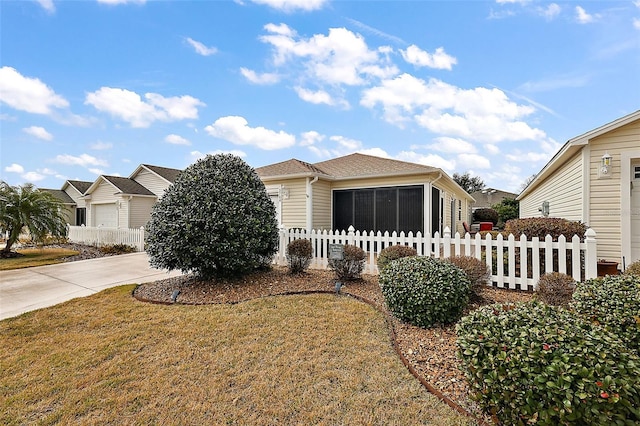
<point x="507" y="209"/>
<point x="216" y="220"/>
<point x="527" y="181"/>
<point x="27" y="207"/>
<point x="468" y="183"/>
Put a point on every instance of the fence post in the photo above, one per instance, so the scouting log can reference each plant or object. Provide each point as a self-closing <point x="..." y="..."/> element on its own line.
<point x="447" y="242"/>
<point x="141" y="243"/>
<point x="352" y="235"/>
<point x="591" y="255"/>
<point x="282" y="248"/>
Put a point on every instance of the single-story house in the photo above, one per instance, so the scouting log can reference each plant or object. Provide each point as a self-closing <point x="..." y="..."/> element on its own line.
<point x="368" y="192"/>
<point x="114" y="201"/>
<point x="595" y="178"/>
<point x="487" y="197"/>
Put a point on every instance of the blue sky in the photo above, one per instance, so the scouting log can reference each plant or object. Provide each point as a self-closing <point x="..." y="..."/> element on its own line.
<point x="490" y="88"/>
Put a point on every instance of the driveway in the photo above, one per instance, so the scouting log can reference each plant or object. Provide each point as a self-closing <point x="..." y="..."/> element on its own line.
<point x="23" y="290"/>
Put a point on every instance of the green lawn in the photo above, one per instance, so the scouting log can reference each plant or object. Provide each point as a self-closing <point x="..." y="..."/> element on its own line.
<point x="36" y="257"/>
<point x="107" y="358"/>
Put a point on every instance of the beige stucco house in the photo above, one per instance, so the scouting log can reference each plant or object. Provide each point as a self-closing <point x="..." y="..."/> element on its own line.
<point x="595" y="178"/>
<point x="370" y="193"/>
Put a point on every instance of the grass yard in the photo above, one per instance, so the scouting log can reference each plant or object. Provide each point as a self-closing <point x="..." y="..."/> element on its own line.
<point x="36" y="257"/>
<point x="317" y="359"/>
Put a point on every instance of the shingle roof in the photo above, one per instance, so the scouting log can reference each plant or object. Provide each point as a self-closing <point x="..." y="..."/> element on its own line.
<point x="165" y="172"/>
<point x="80" y="185"/>
<point x="60" y="195"/>
<point x="128" y="186"/>
<point x="489" y="196"/>
<point x="289" y="167"/>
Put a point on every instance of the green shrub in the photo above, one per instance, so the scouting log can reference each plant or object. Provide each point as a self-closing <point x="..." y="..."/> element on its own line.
<point x="299" y="255"/>
<point x="633" y="269"/>
<point x="555" y="289"/>
<point x="476" y="270"/>
<point x="535" y="363"/>
<point x="485" y="215"/>
<point x="351" y="266"/>
<point x="216" y="220"/>
<point x="507" y="209"/>
<point x="394" y="252"/>
<point x="424" y="291"/>
<point x="542" y="226"/>
<point x="614" y="303"/>
<point x="117" y="249"/>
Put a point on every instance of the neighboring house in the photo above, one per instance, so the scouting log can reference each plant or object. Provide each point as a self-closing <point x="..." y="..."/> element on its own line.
<point x="114" y="201"/>
<point x="370" y="193"/>
<point x="485" y="198"/>
<point x="68" y="205"/>
<point x="595" y="178"/>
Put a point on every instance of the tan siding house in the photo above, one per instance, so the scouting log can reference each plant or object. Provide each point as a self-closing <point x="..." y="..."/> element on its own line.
<point x="367" y="192"/>
<point x="595" y="178"/>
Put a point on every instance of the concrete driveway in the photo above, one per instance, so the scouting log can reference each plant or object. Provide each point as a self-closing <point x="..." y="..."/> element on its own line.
<point x="23" y="290"/>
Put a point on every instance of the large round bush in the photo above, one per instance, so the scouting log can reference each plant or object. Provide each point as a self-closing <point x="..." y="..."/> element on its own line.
<point x="216" y="220"/>
<point x="614" y="303"/>
<point x="424" y="291"/>
<point x="533" y="363"/>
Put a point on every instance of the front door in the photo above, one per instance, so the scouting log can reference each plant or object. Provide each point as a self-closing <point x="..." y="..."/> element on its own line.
<point x="436" y="211"/>
<point x="635" y="211"/>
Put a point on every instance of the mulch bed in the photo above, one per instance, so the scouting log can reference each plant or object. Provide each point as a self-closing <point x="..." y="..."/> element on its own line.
<point x="430" y="353"/>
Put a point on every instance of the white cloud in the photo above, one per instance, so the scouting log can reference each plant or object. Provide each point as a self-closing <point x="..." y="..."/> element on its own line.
<point x="264" y="78"/>
<point x="130" y="107"/>
<point x="28" y="94"/>
<point x="491" y="149"/>
<point x="439" y="60"/>
<point x="512" y="1"/>
<point x="38" y="132"/>
<point x="47" y="5"/>
<point x="636" y="23"/>
<point x="98" y="172"/>
<point x="200" y="48"/>
<point x="196" y="155"/>
<point x="452" y="145"/>
<point x="347" y="143"/>
<point x="14" y="168"/>
<point x="547" y="149"/>
<point x="319" y="97"/>
<point x="550" y="12"/>
<point x="33" y="176"/>
<point x="176" y="140"/>
<point x="557" y="82"/>
<point x="101" y="146"/>
<point x="377" y="152"/>
<point x="311" y="138"/>
<point x="427" y="160"/>
<point x="376" y="31"/>
<point x="480" y="114"/>
<point x="583" y="17"/>
<point x="468" y="161"/>
<point x="236" y="130"/>
<point x="293" y="5"/>
<point x="84" y="160"/>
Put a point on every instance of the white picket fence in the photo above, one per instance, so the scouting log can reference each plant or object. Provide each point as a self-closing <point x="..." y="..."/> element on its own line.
<point x="102" y="236"/>
<point x="515" y="263"/>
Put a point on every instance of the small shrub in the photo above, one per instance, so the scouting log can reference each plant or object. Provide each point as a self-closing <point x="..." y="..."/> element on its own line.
<point x="485" y="215"/>
<point x="394" y="252"/>
<point x="535" y="363"/>
<point x="614" y="303"/>
<point x="117" y="249"/>
<point x="424" y="291"/>
<point x="299" y="255"/>
<point x="555" y="289"/>
<point x="542" y="226"/>
<point x="475" y="269"/>
<point x="351" y="266"/>
<point x="633" y="269"/>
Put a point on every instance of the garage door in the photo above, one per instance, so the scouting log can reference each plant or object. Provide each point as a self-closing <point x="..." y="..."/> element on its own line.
<point x="635" y="212"/>
<point x="105" y="215"/>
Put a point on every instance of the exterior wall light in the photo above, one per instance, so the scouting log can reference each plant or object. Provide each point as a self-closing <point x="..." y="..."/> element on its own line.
<point x="605" y="166"/>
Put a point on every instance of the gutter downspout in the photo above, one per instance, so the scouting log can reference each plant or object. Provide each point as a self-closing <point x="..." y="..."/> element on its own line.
<point x="310" y="202"/>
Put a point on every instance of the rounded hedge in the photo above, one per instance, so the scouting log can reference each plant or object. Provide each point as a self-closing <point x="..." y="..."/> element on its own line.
<point x="299" y="255"/>
<point x="477" y="271"/>
<point x="485" y="215"/>
<point x="351" y="266"/>
<point x="425" y="291"/>
<point x="216" y="220"/>
<point x="555" y="288"/>
<point x="533" y="363"/>
<point x="633" y="269"/>
<point x="614" y="303"/>
<point x="391" y="253"/>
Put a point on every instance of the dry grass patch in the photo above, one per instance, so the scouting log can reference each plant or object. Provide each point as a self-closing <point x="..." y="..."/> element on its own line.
<point x="36" y="257"/>
<point x="317" y="359"/>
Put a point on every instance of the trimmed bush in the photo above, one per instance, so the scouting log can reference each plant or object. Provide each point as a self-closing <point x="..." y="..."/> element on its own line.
<point x="394" y="252"/>
<point x="555" y="289"/>
<point x="535" y="363"/>
<point x="349" y="268"/>
<point x="216" y="220"/>
<point x="425" y="291"/>
<point x="476" y="270"/>
<point x="485" y="215"/>
<point x="633" y="269"/>
<point x="299" y="255"/>
<point x="117" y="249"/>
<point x="614" y="303"/>
<point x="542" y="226"/>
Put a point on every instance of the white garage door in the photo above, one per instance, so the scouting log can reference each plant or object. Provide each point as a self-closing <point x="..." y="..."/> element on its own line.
<point x="635" y="212"/>
<point x="105" y="215"/>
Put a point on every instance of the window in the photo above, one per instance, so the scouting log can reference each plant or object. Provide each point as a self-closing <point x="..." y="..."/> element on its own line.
<point x="636" y="172"/>
<point x="379" y="209"/>
<point x="459" y="210"/>
<point x="81" y="216"/>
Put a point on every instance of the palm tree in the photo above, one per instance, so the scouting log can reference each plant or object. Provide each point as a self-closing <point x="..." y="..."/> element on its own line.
<point x="27" y="207"/>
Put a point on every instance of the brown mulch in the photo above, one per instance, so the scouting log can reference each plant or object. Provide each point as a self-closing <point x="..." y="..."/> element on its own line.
<point x="84" y="251"/>
<point x="430" y="352"/>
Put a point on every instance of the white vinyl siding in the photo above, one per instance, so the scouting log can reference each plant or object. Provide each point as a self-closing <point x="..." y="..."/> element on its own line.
<point x="152" y="182"/>
<point x="103" y="194"/>
<point x="140" y="211"/>
<point x="321" y="205"/>
<point x="75" y="195"/>
<point x="563" y="191"/>
<point x="294" y="205"/>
